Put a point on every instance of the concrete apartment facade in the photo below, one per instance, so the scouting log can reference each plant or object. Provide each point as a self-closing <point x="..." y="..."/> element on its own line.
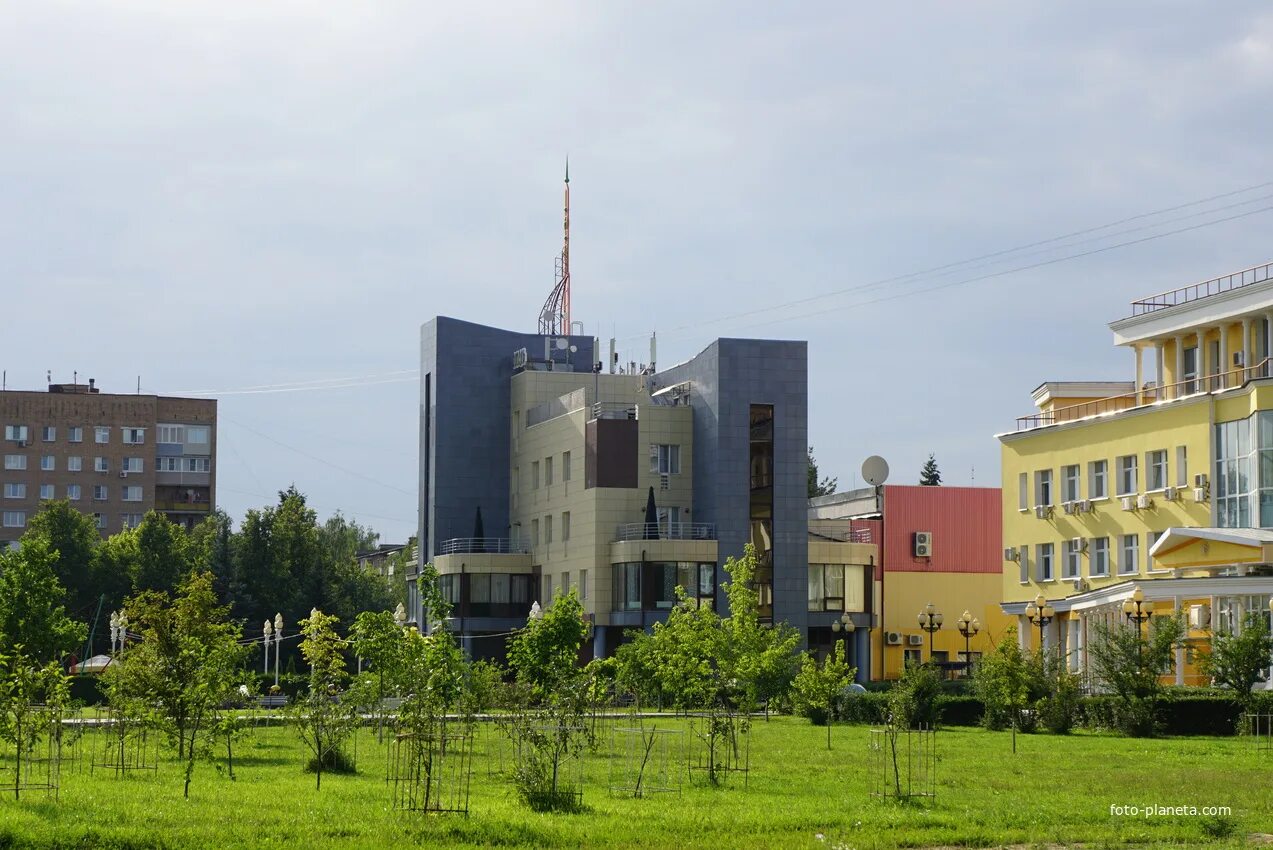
<point x="113" y="456"/>
<point x="561" y="456"/>
<point x="1161" y="485"/>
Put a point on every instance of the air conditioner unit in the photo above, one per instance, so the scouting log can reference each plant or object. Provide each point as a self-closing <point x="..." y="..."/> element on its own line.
<point x="1079" y="543"/>
<point x="22" y="444"/>
<point x="1144" y="502"/>
<point x="923" y="544"/>
<point x="915" y="640"/>
<point x="1010" y="554"/>
<point x="520" y="356"/>
<point x="1128" y="503"/>
<point x="1200" y="480"/>
<point x="893" y="638"/>
<point x="1170" y="494"/>
<point x="1200" y="494"/>
<point x="124" y="474"/>
<point x="1199" y="616"/>
<point x="1083" y="506"/>
<point x="1069" y="508"/>
<point x="1043" y="511"/>
<point x="1080" y="585"/>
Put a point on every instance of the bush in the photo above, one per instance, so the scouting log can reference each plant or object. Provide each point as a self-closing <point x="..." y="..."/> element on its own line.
<point x="86" y="688"/>
<point x="960" y="710"/>
<point x="1058" y="707"/>
<point x="912" y="701"/>
<point x="870" y="707"/>
<point x="334" y="761"/>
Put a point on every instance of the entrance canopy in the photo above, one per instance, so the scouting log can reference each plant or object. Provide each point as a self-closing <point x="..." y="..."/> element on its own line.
<point x="1211" y="548"/>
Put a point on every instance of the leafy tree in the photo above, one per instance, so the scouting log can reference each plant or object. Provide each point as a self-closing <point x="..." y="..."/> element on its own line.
<point x="323" y="720"/>
<point x="27" y="690"/>
<point x="118" y="561"/>
<point x="186" y="664"/>
<point x="1006" y="682"/>
<point x="826" y="486"/>
<point x="817" y="689"/>
<point x="342" y="539"/>
<point x="636" y="671"/>
<point x="31" y="611"/>
<point x="545" y="654"/>
<point x="1058" y="706"/>
<point x="1238" y="662"/>
<point x="378" y="640"/>
<point x="930" y="475"/>
<point x="212" y="550"/>
<point x="912" y="701"/>
<point x="1129" y="664"/>
<point x="73" y="539"/>
<point x="759" y="660"/>
<point x="163" y="554"/>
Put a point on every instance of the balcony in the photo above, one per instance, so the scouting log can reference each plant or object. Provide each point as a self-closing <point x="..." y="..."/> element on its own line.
<point x="665" y="531"/>
<point x="1197" y="291"/>
<point x="614" y="410"/>
<point x="175" y="506"/>
<point x="482" y="546"/>
<point x="1149" y="397"/>
<point x="852" y="535"/>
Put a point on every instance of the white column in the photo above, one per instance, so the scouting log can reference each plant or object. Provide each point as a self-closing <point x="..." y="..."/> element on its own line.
<point x="1158" y="371"/>
<point x="1082" y="643"/>
<point x="1180" y="649"/>
<point x="1180" y="365"/>
<point x="1223" y="380"/>
<point x="1246" y="346"/>
<point x="1140" y="379"/>
<point x="1201" y="360"/>
<point x="1268" y="338"/>
<point x="1023" y="632"/>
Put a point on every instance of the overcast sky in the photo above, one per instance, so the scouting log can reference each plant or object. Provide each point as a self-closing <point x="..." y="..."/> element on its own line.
<point x="219" y="196"/>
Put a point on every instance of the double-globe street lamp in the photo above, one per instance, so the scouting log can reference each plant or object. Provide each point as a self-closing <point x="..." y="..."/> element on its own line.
<point x="273" y="632"/>
<point x="1040" y="613"/>
<point x="968" y="627"/>
<point x="930" y="620"/>
<point x="1138" y="610"/>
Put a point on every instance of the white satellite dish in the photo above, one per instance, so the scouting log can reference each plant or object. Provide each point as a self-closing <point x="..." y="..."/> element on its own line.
<point x="562" y="342"/>
<point x="875" y="470"/>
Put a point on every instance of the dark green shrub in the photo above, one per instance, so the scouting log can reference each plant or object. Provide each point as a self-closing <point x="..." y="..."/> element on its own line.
<point x="960" y="710"/>
<point x="912" y="701"/>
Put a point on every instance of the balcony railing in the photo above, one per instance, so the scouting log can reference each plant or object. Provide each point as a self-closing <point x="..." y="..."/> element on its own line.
<point x="853" y="535"/>
<point x="1148" y="397"/>
<point x="666" y="531"/>
<point x="1193" y="292"/>
<point x="482" y="545"/>
<point x="188" y="507"/>
<point x="613" y="410"/>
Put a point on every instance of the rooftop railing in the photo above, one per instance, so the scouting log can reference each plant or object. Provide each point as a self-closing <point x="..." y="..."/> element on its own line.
<point x="482" y="545"/>
<point x="852" y="535"/>
<point x="1193" y="292"/>
<point x="1151" y="395"/>
<point x="613" y="410"/>
<point x="666" y="531"/>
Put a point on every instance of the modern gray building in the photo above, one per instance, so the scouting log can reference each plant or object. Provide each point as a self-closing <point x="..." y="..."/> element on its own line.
<point x="539" y="461"/>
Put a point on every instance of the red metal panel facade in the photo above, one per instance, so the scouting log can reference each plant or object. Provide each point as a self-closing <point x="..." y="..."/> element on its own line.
<point x="966" y="524"/>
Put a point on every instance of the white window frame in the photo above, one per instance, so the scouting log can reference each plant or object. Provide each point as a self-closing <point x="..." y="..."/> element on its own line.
<point x="15" y="462"/>
<point x="75" y="434"/>
<point x="16" y="433"/>
<point x="74" y="492"/>
<point x="1072" y="561"/>
<point x="131" y="493"/>
<point x="48" y="463"/>
<point x="133" y="436"/>
<point x="198" y="435"/>
<point x="101" y="434"/>
<point x="47" y="492"/>
<point x="1098" y="479"/>
<point x="100" y="521"/>
<point x="1099" y="559"/>
<point x="132" y="464"/>
<point x="1128" y="473"/>
<point x="1043" y="488"/>
<point x="1182" y="466"/>
<point x="583" y="585"/>
<point x="1070" y="482"/>
<point x="101" y="493"/>
<point x="1156" y="470"/>
<point x="172" y="435"/>
<point x="665" y="458"/>
<point x="48" y="433"/>
<point x="15" y="519"/>
<point x="75" y="463"/>
<point x="1045" y="562"/>
<point x="1023" y="491"/>
<point x="1123" y="555"/>
<point x="101" y="464"/>
<point x="15" y="490"/>
<point x="565" y="466"/>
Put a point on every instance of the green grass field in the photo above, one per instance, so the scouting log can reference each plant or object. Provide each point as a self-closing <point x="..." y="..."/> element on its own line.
<point x="1054" y="790"/>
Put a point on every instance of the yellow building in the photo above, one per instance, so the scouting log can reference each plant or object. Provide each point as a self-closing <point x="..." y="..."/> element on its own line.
<point x="1163" y="483"/>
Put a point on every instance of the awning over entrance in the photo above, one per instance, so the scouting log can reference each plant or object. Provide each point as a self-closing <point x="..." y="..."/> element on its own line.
<point x="1202" y="548"/>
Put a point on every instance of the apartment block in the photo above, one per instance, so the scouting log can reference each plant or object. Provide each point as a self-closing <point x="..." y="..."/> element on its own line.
<point x="113" y="456"/>
<point x="561" y="453"/>
<point x="1162" y="484"/>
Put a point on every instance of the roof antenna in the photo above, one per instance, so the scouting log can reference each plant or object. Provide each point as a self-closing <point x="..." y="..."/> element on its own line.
<point x="554" y="316"/>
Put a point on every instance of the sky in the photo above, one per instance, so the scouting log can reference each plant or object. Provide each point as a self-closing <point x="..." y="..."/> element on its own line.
<point x="264" y="201"/>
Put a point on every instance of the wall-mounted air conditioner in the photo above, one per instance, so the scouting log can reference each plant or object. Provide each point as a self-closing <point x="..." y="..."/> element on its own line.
<point x="1083" y="506"/>
<point x="923" y="544"/>
<point x="1200" y="480"/>
<point x="1170" y="494"/>
<point x="1043" y="511"/>
<point x="1200" y="494"/>
<point x="1144" y="502"/>
<point x="1010" y="554"/>
<point x="1128" y="503"/>
<point x="1069" y="508"/>
<point x="1079" y="543"/>
<point x="1200" y="616"/>
<point x="915" y="640"/>
<point x="893" y="638"/>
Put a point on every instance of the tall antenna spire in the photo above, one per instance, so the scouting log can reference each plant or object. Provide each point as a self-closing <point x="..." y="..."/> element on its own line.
<point x="554" y="317"/>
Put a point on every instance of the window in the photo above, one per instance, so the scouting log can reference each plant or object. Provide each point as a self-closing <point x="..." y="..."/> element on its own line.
<point x="1023" y="563"/>
<point x="565" y="466"/>
<point x="1023" y="492"/>
<point x="1156" y="470"/>
<point x="1072" y="565"/>
<point x="99" y="492"/>
<point x="197" y="464"/>
<point x="565" y="583"/>
<point x="102" y="434"/>
<point x="1233" y="484"/>
<point x="132" y="464"/>
<point x="74" y="463"/>
<point x="131" y="494"/>
<point x="1098" y="472"/>
<point x="73" y="492"/>
<point x="565" y="526"/>
<point x="15" y="432"/>
<point x="1100" y="556"/>
<point x="548" y="472"/>
<point x="1044" y="558"/>
<point x="1150" y="539"/>
<point x="15" y="461"/>
<point x="548" y="589"/>
<point x="197" y="434"/>
<point x="48" y="463"/>
<point x="548" y="529"/>
<point x="534" y="475"/>
<point x="48" y="433"/>
<point x="168" y="464"/>
<point x="669" y="521"/>
<point x="130" y="520"/>
<point x="1129" y="563"/>
<point x="836" y="587"/>
<point x="1070" y="483"/>
<point x="583" y="579"/>
<point x="1191" y="369"/>
<point x="99" y="520"/>
<point x="170" y="434"/>
<point x="534" y="532"/>
<point x="101" y="464"/>
<point x="1043" y="487"/>
<point x="15" y="491"/>
<point x="75" y="434"/>
<point x="133" y="436"/>
<point x="1182" y="466"/>
<point x="665" y="458"/>
<point x="46" y="491"/>
<point x="15" y="519"/>
<point x="912" y="657"/>
<point x="1127" y="475"/>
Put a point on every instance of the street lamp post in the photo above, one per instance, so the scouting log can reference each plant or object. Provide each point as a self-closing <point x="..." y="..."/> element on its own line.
<point x="267" y="630"/>
<point x="1040" y="613"/>
<point x="968" y="627"/>
<point x="1137" y="610"/>
<point x="123" y="630"/>
<point x="844" y="624"/>
<point x="114" y="630"/>
<point x="400" y="616"/>
<point x="930" y="620"/>
<point x="278" y="638"/>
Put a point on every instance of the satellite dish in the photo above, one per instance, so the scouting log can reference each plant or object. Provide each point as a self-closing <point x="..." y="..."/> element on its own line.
<point x="562" y="342"/>
<point x="875" y="470"/>
<point x="573" y="349"/>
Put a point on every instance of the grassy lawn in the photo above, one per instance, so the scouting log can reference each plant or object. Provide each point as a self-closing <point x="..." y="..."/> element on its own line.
<point x="799" y="795"/>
